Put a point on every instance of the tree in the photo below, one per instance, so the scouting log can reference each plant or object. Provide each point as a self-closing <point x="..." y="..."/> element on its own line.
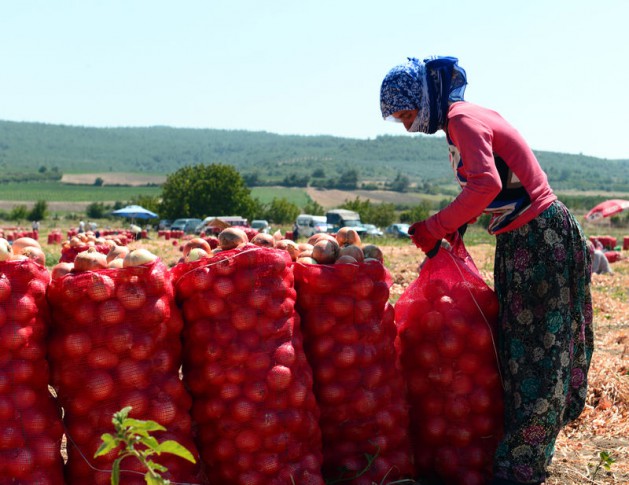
<point x="313" y="208"/>
<point x="417" y="213"/>
<point x="149" y="202"/>
<point x="99" y="182"/>
<point x="18" y="212"/>
<point x="281" y="211"/>
<point x="38" y="212"/>
<point x="348" y="180"/>
<point x="204" y="190"/>
<point x="96" y="210"/>
<point x="400" y="184"/>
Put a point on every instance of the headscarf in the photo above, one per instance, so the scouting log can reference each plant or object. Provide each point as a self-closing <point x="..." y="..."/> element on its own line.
<point x="426" y="86"/>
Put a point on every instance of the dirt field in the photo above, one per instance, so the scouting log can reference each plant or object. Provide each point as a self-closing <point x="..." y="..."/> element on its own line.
<point x="113" y="178"/>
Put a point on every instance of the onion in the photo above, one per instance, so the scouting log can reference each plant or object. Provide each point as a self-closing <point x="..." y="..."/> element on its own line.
<point x="35" y="254"/>
<point x="90" y="260"/>
<point x="196" y="242"/>
<point x="231" y="238"/>
<point x="346" y="259"/>
<point x="61" y="269"/>
<point x="117" y="252"/>
<point x="264" y="240"/>
<point x="197" y="253"/>
<point x="289" y="246"/>
<point x="318" y="236"/>
<point x="306" y="260"/>
<point x="24" y="242"/>
<point x="116" y="263"/>
<point x="138" y="257"/>
<point x="325" y="251"/>
<point x="354" y="251"/>
<point x="347" y="235"/>
<point x="374" y="252"/>
<point x="6" y="252"/>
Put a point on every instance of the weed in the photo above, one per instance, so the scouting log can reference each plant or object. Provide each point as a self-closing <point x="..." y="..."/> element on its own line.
<point x="135" y="437"/>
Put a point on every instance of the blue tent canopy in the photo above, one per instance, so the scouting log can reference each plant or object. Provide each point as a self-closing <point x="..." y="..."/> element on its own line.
<point x="135" y="212"/>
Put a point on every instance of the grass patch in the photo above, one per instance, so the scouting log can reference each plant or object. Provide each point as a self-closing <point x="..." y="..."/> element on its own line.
<point x="58" y="192"/>
<point x="297" y="196"/>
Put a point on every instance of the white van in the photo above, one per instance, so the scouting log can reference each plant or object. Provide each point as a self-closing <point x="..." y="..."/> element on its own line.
<point x="308" y="225"/>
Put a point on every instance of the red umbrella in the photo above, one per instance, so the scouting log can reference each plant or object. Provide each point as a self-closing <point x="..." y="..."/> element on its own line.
<point x="607" y="209"/>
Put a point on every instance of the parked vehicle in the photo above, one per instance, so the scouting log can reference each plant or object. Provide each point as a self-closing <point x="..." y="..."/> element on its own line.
<point x="164" y="224"/>
<point x="372" y="231"/>
<point x="398" y="230"/>
<point x="338" y="218"/>
<point x="261" y="225"/>
<point x="187" y="225"/>
<point x="307" y="225"/>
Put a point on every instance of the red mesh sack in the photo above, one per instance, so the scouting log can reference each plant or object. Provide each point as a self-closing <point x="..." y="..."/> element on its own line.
<point x="446" y="320"/>
<point x="68" y="253"/>
<point x="349" y="334"/>
<point x="115" y="342"/>
<point x="30" y="419"/>
<point x="246" y="369"/>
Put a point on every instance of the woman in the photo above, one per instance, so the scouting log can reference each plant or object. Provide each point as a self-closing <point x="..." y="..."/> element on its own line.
<point x="541" y="267"/>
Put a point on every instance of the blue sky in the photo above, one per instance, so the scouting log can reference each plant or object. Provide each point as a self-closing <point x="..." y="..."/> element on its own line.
<point x="556" y="69"/>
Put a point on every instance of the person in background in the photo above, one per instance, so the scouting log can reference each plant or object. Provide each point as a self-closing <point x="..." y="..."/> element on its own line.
<point x="541" y="267"/>
<point x="600" y="263"/>
<point x="81" y="227"/>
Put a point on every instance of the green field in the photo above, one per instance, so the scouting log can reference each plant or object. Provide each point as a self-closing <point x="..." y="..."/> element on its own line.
<point x="58" y="192"/>
<point x="295" y="195"/>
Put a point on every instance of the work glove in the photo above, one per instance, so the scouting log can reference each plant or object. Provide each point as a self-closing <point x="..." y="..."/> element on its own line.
<point x="422" y="238"/>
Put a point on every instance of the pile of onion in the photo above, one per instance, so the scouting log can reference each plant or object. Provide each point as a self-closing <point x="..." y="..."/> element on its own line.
<point x="246" y="368"/>
<point x="349" y="335"/>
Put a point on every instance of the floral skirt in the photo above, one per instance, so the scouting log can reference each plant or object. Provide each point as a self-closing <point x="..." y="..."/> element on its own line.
<point x="542" y="280"/>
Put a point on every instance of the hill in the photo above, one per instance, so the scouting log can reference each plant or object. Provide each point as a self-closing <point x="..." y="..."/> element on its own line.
<point x="162" y="150"/>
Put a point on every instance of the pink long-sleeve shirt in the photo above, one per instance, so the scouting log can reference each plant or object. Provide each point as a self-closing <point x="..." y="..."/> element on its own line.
<point x="497" y="171"/>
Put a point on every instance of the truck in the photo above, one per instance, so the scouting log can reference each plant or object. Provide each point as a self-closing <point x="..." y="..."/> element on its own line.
<point x="338" y="218"/>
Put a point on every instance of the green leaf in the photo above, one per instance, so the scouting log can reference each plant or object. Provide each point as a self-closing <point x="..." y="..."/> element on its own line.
<point x="156" y="466"/>
<point x="109" y="443"/>
<point x="138" y="424"/>
<point x="174" y="448"/>
<point x="150" y="442"/>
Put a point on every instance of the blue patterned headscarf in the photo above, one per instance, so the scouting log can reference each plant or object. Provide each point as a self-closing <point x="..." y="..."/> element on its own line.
<point x="426" y="86"/>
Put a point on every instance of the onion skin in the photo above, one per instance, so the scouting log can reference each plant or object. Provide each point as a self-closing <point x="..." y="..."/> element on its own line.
<point x="346" y="236"/>
<point x="264" y="240"/>
<point x="116" y="263"/>
<point x="374" y="252"/>
<point x="353" y="251"/>
<point x="24" y="242"/>
<point x="231" y="238"/>
<point x="117" y="252"/>
<point x="318" y="236"/>
<point x="325" y="251"/>
<point x="61" y="269"/>
<point x="196" y="242"/>
<point x="90" y="260"/>
<point x="6" y="251"/>
<point x="138" y="257"/>
<point x="197" y="253"/>
<point x="35" y="254"/>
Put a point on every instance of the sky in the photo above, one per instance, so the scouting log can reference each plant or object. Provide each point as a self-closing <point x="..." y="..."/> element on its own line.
<point x="556" y="69"/>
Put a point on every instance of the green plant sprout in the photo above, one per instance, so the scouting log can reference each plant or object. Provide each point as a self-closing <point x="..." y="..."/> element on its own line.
<point x="135" y="437"/>
<point x="605" y="461"/>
